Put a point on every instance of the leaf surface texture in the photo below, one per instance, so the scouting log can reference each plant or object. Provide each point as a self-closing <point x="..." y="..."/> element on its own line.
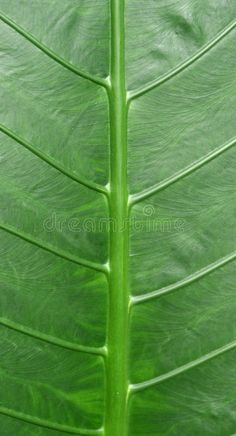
<point x="118" y="252"/>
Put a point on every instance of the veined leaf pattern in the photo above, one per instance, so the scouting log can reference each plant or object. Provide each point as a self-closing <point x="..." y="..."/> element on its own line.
<point x="117" y="303"/>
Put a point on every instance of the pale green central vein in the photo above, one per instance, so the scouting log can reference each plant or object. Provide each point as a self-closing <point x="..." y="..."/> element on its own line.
<point x="117" y="342"/>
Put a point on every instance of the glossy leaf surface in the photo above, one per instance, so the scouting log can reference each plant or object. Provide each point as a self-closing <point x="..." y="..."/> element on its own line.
<point x="117" y="276"/>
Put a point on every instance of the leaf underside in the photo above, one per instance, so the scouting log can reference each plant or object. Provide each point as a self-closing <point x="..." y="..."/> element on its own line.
<point x="57" y="167"/>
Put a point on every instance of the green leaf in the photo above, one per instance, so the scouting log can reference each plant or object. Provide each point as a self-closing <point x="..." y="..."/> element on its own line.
<point x="117" y="276"/>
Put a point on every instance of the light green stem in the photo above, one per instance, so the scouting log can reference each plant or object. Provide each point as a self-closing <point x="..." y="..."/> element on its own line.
<point x="117" y="343"/>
